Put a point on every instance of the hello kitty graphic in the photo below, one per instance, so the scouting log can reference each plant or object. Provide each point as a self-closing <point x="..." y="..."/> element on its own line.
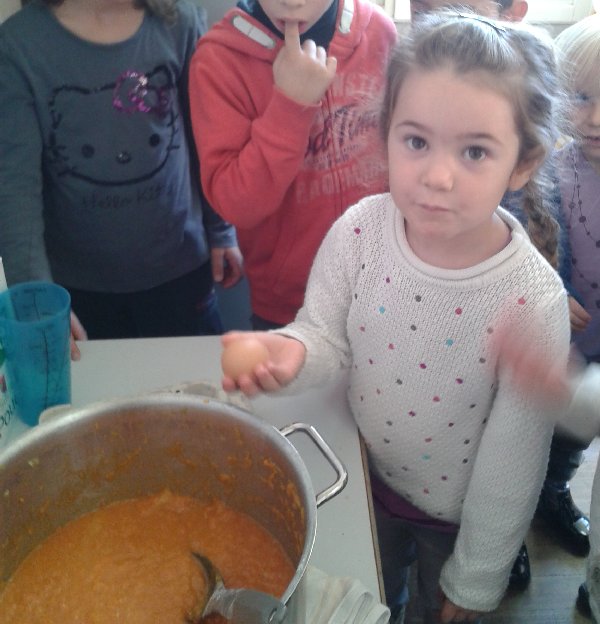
<point x="144" y="115"/>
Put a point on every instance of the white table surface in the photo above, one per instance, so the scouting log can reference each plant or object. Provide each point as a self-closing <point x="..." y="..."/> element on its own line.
<point x="344" y="542"/>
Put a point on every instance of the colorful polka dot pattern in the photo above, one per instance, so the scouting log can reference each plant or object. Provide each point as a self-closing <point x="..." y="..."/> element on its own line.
<point x="455" y="389"/>
<point x="422" y="379"/>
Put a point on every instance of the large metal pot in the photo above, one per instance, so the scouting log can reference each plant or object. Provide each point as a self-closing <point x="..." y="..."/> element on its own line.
<point x="196" y="446"/>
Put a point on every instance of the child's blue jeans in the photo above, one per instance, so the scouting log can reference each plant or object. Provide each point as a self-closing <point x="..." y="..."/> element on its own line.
<point x="401" y="544"/>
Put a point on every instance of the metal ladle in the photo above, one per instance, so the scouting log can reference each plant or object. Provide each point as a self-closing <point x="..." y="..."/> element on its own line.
<point x="239" y="606"/>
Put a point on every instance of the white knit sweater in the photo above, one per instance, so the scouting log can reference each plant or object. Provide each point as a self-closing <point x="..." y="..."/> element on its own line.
<point x="443" y="428"/>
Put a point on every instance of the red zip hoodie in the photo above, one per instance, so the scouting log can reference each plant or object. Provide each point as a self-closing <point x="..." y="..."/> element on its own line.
<point x="280" y="171"/>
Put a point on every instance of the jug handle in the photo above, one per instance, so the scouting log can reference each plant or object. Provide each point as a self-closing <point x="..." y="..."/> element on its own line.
<point x="50" y="413"/>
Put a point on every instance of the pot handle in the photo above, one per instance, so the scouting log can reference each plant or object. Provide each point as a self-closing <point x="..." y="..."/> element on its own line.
<point x="342" y="474"/>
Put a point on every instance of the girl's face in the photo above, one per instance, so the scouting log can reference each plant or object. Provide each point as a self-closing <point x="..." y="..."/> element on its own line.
<point x="587" y="124"/>
<point x="305" y="13"/>
<point x="452" y="150"/>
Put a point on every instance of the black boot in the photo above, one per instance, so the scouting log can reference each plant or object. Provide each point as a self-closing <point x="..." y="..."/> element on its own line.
<point x="520" y="575"/>
<point x="583" y="601"/>
<point x="567" y="521"/>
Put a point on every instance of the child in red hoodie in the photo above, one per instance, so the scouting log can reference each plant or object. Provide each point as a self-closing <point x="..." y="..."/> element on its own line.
<point x="284" y="100"/>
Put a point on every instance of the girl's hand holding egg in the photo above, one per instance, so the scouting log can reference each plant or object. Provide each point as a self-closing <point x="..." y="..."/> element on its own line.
<point x="256" y="362"/>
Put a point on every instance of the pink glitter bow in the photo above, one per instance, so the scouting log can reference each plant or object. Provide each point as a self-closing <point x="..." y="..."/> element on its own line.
<point x="141" y="97"/>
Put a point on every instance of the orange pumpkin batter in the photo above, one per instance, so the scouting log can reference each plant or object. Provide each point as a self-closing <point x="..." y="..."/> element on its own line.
<point x="130" y="562"/>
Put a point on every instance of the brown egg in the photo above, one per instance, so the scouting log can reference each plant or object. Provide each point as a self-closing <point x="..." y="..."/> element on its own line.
<point x="242" y="356"/>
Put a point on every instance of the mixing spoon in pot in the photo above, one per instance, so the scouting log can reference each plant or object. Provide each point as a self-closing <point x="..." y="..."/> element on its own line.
<point x="239" y="606"/>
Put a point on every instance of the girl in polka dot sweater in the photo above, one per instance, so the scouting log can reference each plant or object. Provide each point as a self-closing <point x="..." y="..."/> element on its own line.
<point x="407" y="289"/>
